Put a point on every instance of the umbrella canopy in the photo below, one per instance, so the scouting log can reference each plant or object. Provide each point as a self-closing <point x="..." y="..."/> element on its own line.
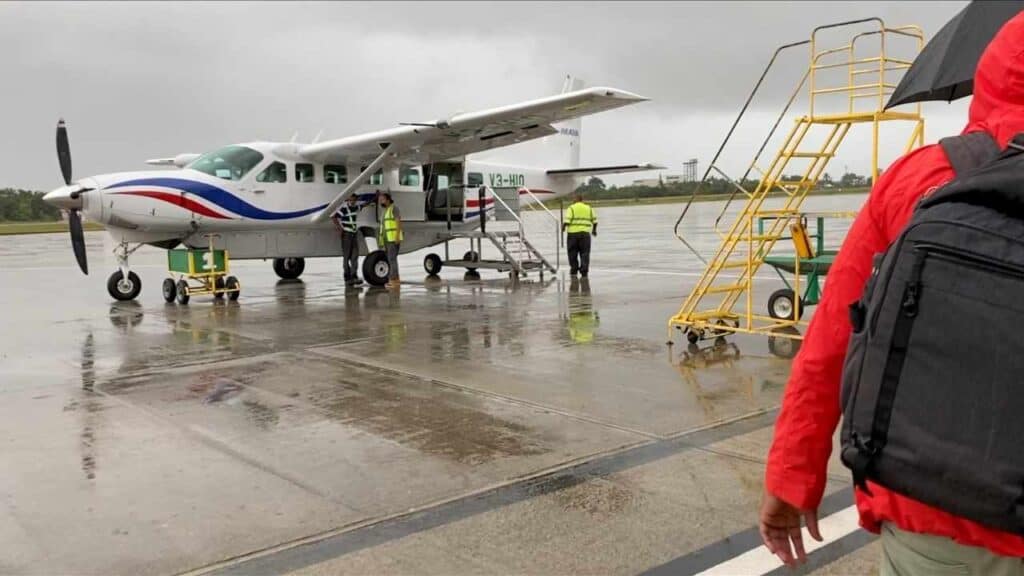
<point x="944" y="70"/>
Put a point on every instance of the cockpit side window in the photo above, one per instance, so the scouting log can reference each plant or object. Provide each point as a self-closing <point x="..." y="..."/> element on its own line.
<point x="303" y="172"/>
<point x="228" y="163"/>
<point x="335" y="174"/>
<point x="276" y="173"/>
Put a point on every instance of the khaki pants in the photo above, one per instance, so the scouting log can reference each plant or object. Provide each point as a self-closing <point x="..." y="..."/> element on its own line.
<point x="909" y="554"/>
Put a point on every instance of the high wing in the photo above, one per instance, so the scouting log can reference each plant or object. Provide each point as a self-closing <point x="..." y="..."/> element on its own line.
<point x="605" y="170"/>
<point x="472" y="132"/>
<point x="461" y="134"/>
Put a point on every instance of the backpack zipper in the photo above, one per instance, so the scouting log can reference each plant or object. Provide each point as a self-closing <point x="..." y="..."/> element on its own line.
<point x="977" y="260"/>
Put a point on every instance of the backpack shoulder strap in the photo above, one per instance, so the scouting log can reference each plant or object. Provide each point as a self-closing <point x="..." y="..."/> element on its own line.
<point x="969" y="151"/>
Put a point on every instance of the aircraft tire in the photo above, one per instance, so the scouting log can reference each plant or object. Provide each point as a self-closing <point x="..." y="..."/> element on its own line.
<point x="471" y="256"/>
<point x="376" y="268"/>
<point x="124" y="289"/>
<point x="289" y="268"/>
<point x="432" y="264"/>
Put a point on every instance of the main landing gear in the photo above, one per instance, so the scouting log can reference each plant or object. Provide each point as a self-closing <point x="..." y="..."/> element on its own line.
<point x="289" y="268"/>
<point x="123" y="284"/>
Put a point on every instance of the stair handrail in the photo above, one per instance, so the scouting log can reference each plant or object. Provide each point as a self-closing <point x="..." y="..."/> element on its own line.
<point x="728" y="136"/>
<point x="515" y="215"/>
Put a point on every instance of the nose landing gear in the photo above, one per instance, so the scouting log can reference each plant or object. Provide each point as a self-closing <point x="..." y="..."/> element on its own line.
<point x="123" y="284"/>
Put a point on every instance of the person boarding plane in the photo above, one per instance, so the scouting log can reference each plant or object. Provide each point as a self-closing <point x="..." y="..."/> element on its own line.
<point x="275" y="200"/>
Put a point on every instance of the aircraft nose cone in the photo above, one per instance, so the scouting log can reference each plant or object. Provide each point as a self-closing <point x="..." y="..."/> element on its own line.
<point x="61" y="198"/>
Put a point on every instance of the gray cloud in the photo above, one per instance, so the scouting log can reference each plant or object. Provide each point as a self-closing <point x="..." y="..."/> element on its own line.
<point x="154" y="79"/>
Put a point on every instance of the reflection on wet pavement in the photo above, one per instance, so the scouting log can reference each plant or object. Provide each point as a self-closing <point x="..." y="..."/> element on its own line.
<point x="156" y="438"/>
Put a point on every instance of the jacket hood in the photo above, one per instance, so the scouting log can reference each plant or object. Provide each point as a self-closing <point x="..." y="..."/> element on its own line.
<point x="998" y="103"/>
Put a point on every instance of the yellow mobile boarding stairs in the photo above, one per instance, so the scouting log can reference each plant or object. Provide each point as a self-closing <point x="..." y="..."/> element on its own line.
<point x="844" y="87"/>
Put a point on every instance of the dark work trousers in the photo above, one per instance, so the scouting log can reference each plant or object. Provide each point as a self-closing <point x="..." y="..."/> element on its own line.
<point x="578" y="245"/>
<point x="350" y="253"/>
<point x="392" y="252"/>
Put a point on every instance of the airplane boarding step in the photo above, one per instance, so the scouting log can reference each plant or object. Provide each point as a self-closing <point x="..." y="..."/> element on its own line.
<point x="518" y="254"/>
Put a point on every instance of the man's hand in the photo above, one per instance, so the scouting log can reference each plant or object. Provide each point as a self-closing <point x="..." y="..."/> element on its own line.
<point x="780" y="525"/>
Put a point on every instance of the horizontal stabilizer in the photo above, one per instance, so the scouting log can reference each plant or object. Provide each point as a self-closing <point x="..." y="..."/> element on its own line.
<point x="605" y="170"/>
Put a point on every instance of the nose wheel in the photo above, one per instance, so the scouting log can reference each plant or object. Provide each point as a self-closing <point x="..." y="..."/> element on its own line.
<point x="124" y="288"/>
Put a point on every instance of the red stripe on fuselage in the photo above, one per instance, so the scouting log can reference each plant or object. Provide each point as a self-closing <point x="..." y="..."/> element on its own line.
<point x="471" y="203"/>
<point x="177" y="200"/>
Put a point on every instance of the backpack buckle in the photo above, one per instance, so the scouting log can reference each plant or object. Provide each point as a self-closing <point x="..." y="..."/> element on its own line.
<point x="861" y="461"/>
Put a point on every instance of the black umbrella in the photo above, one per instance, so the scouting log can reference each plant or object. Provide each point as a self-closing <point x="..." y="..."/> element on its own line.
<point x="944" y="70"/>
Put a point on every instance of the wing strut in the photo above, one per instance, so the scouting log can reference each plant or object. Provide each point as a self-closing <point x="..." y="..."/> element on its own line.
<point x="363" y="177"/>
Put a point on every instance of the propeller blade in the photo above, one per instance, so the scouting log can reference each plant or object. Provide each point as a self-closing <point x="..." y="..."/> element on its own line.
<point x="78" y="240"/>
<point x="64" y="152"/>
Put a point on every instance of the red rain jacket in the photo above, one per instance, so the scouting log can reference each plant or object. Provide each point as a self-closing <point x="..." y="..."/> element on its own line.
<point x="810" y="411"/>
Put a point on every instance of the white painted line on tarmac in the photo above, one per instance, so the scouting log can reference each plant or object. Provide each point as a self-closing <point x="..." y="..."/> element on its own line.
<point x="667" y="273"/>
<point x="760" y="561"/>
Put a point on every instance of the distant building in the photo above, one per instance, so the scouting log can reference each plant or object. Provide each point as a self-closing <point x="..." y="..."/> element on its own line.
<point x="666" y="178"/>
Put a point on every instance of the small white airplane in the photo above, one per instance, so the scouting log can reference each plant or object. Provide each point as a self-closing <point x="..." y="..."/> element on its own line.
<point x="274" y="200"/>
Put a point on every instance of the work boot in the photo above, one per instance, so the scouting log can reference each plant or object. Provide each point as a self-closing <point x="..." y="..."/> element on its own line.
<point x="357" y="281"/>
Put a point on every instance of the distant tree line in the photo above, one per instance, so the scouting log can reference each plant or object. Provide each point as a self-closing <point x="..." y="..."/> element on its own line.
<point x="25" y="206"/>
<point x="596" y="189"/>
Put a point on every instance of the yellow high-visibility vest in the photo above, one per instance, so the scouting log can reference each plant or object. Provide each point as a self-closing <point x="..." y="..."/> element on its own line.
<point x="579" y="217"/>
<point x="389" y="230"/>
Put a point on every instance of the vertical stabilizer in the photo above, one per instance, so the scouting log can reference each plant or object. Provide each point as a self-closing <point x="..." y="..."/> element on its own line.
<point x="565" y="146"/>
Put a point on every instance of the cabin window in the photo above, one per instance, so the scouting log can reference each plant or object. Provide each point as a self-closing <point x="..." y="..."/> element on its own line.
<point x="303" y="172"/>
<point x="475" y="179"/>
<point x="442" y="181"/>
<point x="276" y="173"/>
<point x="335" y="174"/>
<point x="377" y="178"/>
<point x="408" y="176"/>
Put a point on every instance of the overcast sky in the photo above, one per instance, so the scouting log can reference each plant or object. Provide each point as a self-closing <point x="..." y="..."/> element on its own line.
<point x="137" y="81"/>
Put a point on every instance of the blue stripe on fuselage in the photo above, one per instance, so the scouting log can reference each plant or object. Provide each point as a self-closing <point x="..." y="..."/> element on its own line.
<point x="220" y="197"/>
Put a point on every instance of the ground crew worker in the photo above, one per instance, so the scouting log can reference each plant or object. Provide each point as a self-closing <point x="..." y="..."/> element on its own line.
<point x="916" y="538"/>
<point x="580" y="224"/>
<point x="345" y="222"/>
<point x="390" y="238"/>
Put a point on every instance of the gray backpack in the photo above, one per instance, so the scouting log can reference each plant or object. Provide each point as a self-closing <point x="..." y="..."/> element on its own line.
<point x="933" y="384"/>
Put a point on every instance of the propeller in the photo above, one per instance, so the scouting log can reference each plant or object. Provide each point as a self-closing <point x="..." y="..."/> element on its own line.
<point x="74" y="218"/>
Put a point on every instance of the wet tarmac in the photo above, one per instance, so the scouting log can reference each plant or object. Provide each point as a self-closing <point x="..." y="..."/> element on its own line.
<point x="456" y="427"/>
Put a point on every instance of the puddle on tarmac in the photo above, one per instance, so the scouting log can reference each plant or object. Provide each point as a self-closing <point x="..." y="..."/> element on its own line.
<point x="402" y="410"/>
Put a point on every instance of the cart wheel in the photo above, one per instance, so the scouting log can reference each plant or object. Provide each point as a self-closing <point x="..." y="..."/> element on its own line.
<point x="692" y="336"/>
<point x="233" y="287"/>
<point x="170" y="290"/>
<point x="218" y="287"/>
<point x="781" y="305"/>
<point x="432" y="264"/>
<point x="471" y="256"/>
<point x="183" y="295"/>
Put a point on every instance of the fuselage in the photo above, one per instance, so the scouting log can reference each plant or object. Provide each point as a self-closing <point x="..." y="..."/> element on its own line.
<point x="260" y="199"/>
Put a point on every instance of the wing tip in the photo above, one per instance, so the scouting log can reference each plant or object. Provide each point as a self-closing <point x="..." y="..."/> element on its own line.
<point x="618" y="94"/>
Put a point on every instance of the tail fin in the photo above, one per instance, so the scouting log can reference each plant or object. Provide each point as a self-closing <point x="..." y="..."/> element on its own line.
<point x="564" y="147"/>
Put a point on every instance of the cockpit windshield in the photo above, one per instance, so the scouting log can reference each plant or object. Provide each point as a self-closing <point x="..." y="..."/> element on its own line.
<point x="229" y="163"/>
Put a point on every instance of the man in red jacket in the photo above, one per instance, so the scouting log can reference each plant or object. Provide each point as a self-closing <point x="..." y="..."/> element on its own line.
<point x="797" y="460"/>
